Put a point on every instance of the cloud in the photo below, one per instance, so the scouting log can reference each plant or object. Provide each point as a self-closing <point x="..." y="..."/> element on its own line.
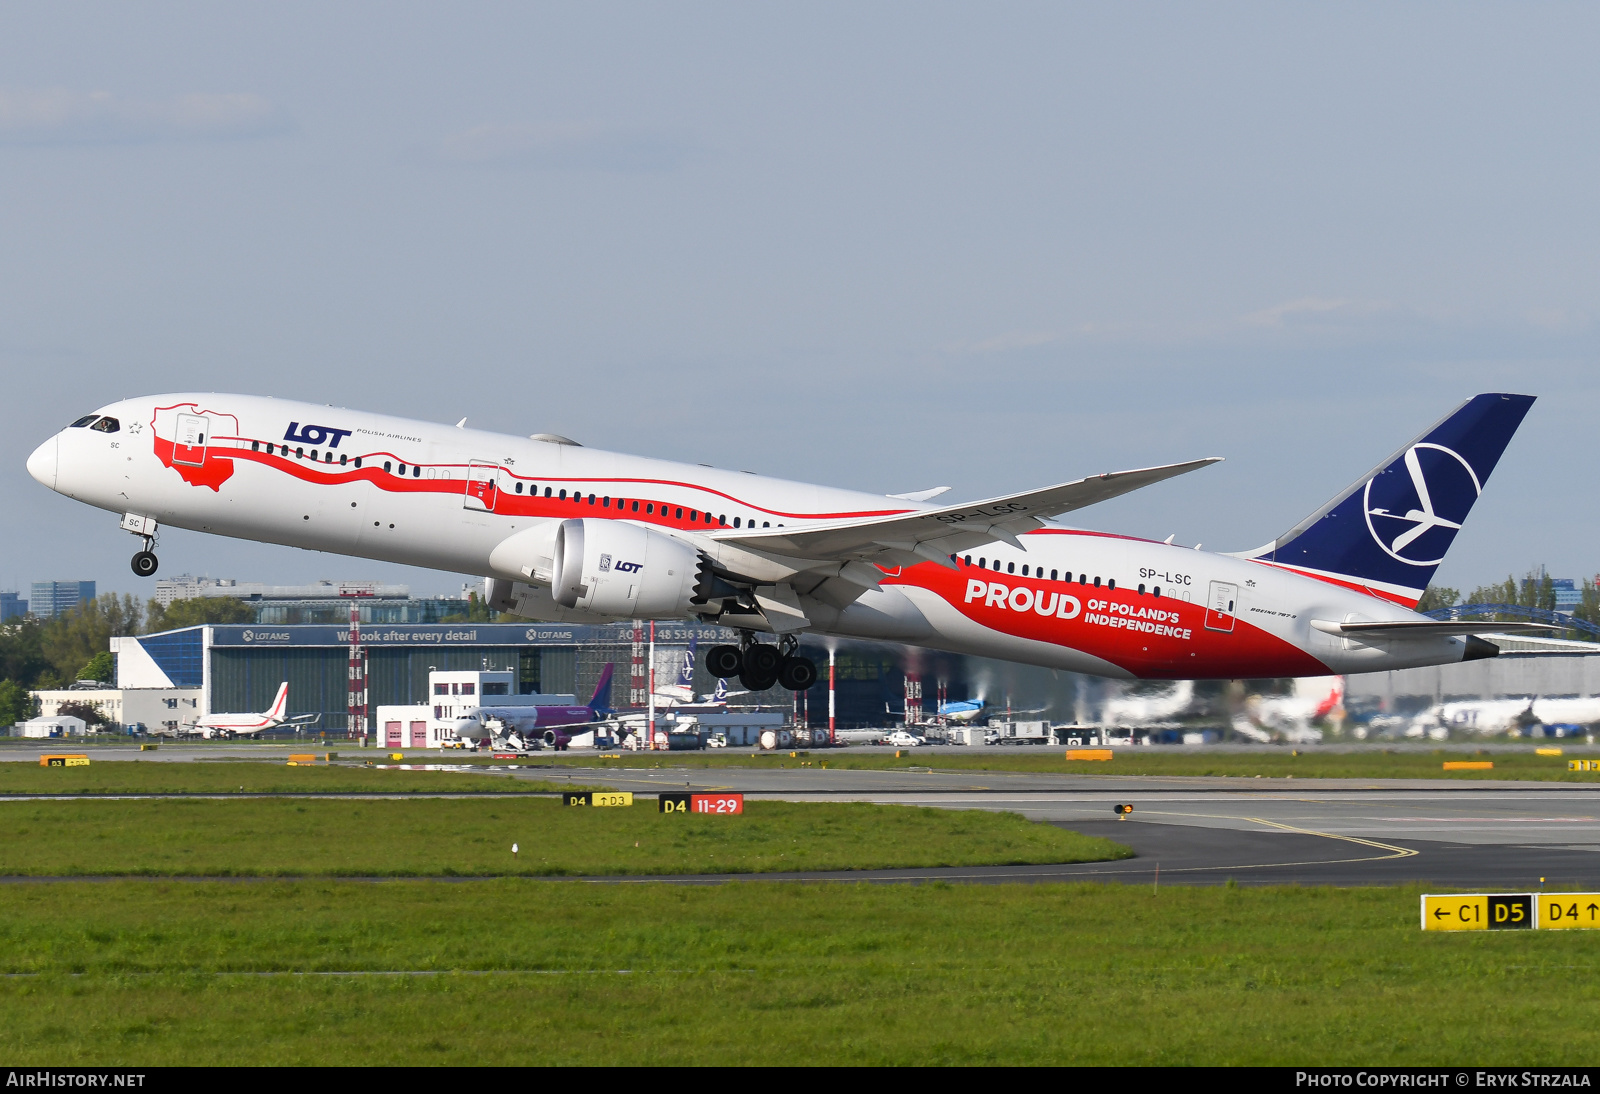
<point x="1003" y="343"/>
<point x="565" y="146"/>
<point x="59" y="116"/>
<point x="1314" y="309"/>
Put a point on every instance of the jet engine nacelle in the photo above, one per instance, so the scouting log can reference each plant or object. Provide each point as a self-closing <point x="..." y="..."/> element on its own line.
<point x="613" y="567"/>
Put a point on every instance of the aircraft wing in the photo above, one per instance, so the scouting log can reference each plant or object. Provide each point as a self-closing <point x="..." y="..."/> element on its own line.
<point x="937" y="533"/>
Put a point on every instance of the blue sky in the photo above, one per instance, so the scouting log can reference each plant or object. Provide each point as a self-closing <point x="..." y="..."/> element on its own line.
<point x="885" y="246"/>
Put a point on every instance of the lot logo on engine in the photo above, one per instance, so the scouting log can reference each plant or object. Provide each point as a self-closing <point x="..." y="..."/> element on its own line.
<point x="628" y="567"/>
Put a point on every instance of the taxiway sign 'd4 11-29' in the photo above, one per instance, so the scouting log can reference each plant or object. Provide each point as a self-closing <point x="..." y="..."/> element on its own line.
<point x="566" y="533"/>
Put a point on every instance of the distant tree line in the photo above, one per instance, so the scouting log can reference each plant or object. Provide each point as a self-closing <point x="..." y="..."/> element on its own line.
<point x="75" y="645"/>
<point x="1536" y="589"/>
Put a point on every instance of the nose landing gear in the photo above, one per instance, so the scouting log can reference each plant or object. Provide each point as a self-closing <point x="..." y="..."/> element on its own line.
<point x="145" y="562"/>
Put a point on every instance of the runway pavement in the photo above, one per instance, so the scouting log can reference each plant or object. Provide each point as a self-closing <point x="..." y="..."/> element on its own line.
<point x="1503" y="835"/>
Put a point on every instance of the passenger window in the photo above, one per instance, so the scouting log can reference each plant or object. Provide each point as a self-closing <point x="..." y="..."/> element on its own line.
<point x="313" y="455"/>
<point x="605" y="503"/>
<point x="591" y="499"/>
<point x="1112" y="584"/>
<point x="1011" y="567"/>
<point x="1156" y="591"/>
<point x="255" y="446"/>
<point x="1083" y="579"/>
<point x="519" y="488"/>
<point x="1141" y="588"/>
<point x="1052" y="575"/>
<point x="723" y="519"/>
<point x="1097" y="581"/>
<point x="416" y="471"/>
<point x="983" y="564"/>
<point x="635" y="507"/>
<point x="650" y="507"/>
<point x="547" y="492"/>
<point x="563" y="495"/>
<point x="358" y="461"/>
<point x="386" y="466"/>
<point x="402" y="470"/>
<point x="969" y="560"/>
<point x="1024" y="569"/>
<point x="83" y="421"/>
<point x="694" y="514"/>
<point x="343" y="459"/>
<point x="766" y="524"/>
<point x="679" y="514"/>
<point x="736" y="522"/>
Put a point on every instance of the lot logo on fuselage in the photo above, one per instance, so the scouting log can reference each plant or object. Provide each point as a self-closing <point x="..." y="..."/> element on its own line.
<point x="315" y="434"/>
<point x="1414" y="517"/>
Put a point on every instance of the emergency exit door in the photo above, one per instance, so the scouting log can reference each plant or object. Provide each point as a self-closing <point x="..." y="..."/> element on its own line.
<point x="1220" y="606"/>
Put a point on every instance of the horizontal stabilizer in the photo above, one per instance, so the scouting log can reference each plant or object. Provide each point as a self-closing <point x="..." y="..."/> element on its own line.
<point x="1428" y="628"/>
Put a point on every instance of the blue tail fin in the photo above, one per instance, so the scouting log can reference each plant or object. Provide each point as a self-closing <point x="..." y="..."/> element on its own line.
<point x="686" y="669"/>
<point x="1390" y="530"/>
<point x="602" y="690"/>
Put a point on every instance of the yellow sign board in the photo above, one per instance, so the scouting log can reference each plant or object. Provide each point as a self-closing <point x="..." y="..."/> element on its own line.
<point x="64" y="760"/>
<point x="1478" y="912"/>
<point x="1089" y="754"/>
<point x="1564" y="911"/>
<point x="1468" y="765"/>
<point x="611" y="797"/>
<point x="1583" y="765"/>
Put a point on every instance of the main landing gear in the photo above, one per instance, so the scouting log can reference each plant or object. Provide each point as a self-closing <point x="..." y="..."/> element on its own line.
<point x="759" y="666"/>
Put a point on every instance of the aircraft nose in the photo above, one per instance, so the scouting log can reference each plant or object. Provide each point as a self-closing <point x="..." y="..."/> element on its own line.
<point x="42" y="464"/>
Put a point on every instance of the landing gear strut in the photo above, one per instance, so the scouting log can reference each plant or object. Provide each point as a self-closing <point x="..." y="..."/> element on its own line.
<point x="759" y="666"/>
<point x="145" y="562"/>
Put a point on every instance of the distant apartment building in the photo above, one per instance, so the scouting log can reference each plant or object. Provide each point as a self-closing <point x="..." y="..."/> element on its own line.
<point x="51" y="598"/>
<point x="12" y="606"/>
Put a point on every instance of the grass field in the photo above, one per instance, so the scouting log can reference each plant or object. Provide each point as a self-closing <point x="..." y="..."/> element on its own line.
<point x="464" y="837"/>
<point x="541" y="972"/>
<point x="251" y="777"/>
<point x="1269" y="763"/>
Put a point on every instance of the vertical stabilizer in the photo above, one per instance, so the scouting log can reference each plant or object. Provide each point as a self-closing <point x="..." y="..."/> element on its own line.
<point x="1388" y="532"/>
<point x="601" y="701"/>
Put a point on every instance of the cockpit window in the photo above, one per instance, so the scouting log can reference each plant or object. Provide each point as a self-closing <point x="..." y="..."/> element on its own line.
<point x="107" y="425"/>
<point x="83" y="421"/>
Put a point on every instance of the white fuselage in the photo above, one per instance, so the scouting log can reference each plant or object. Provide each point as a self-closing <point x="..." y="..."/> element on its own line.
<point x="412" y="492"/>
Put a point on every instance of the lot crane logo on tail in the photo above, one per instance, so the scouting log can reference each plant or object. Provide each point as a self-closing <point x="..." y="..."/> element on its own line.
<point x="1452" y="478"/>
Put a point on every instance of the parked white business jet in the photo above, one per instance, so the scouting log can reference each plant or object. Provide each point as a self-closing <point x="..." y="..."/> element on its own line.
<point x="244" y="725"/>
<point x="571" y="534"/>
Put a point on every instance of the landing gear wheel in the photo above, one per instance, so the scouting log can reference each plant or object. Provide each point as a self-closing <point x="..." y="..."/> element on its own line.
<point x="761" y="662"/>
<point x="724" y="661"/>
<point x="144" y="564"/>
<point x="756" y="683"/>
<point x="797" y="673"/>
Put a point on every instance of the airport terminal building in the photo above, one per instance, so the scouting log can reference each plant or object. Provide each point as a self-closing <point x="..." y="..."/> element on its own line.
<point x="237" y="668"/>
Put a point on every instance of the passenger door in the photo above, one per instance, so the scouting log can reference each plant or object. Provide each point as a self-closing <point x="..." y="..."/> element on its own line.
<point x="483" y="486"/>
<point x="1220" y="606"/>
<point x="189" y="447"/>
